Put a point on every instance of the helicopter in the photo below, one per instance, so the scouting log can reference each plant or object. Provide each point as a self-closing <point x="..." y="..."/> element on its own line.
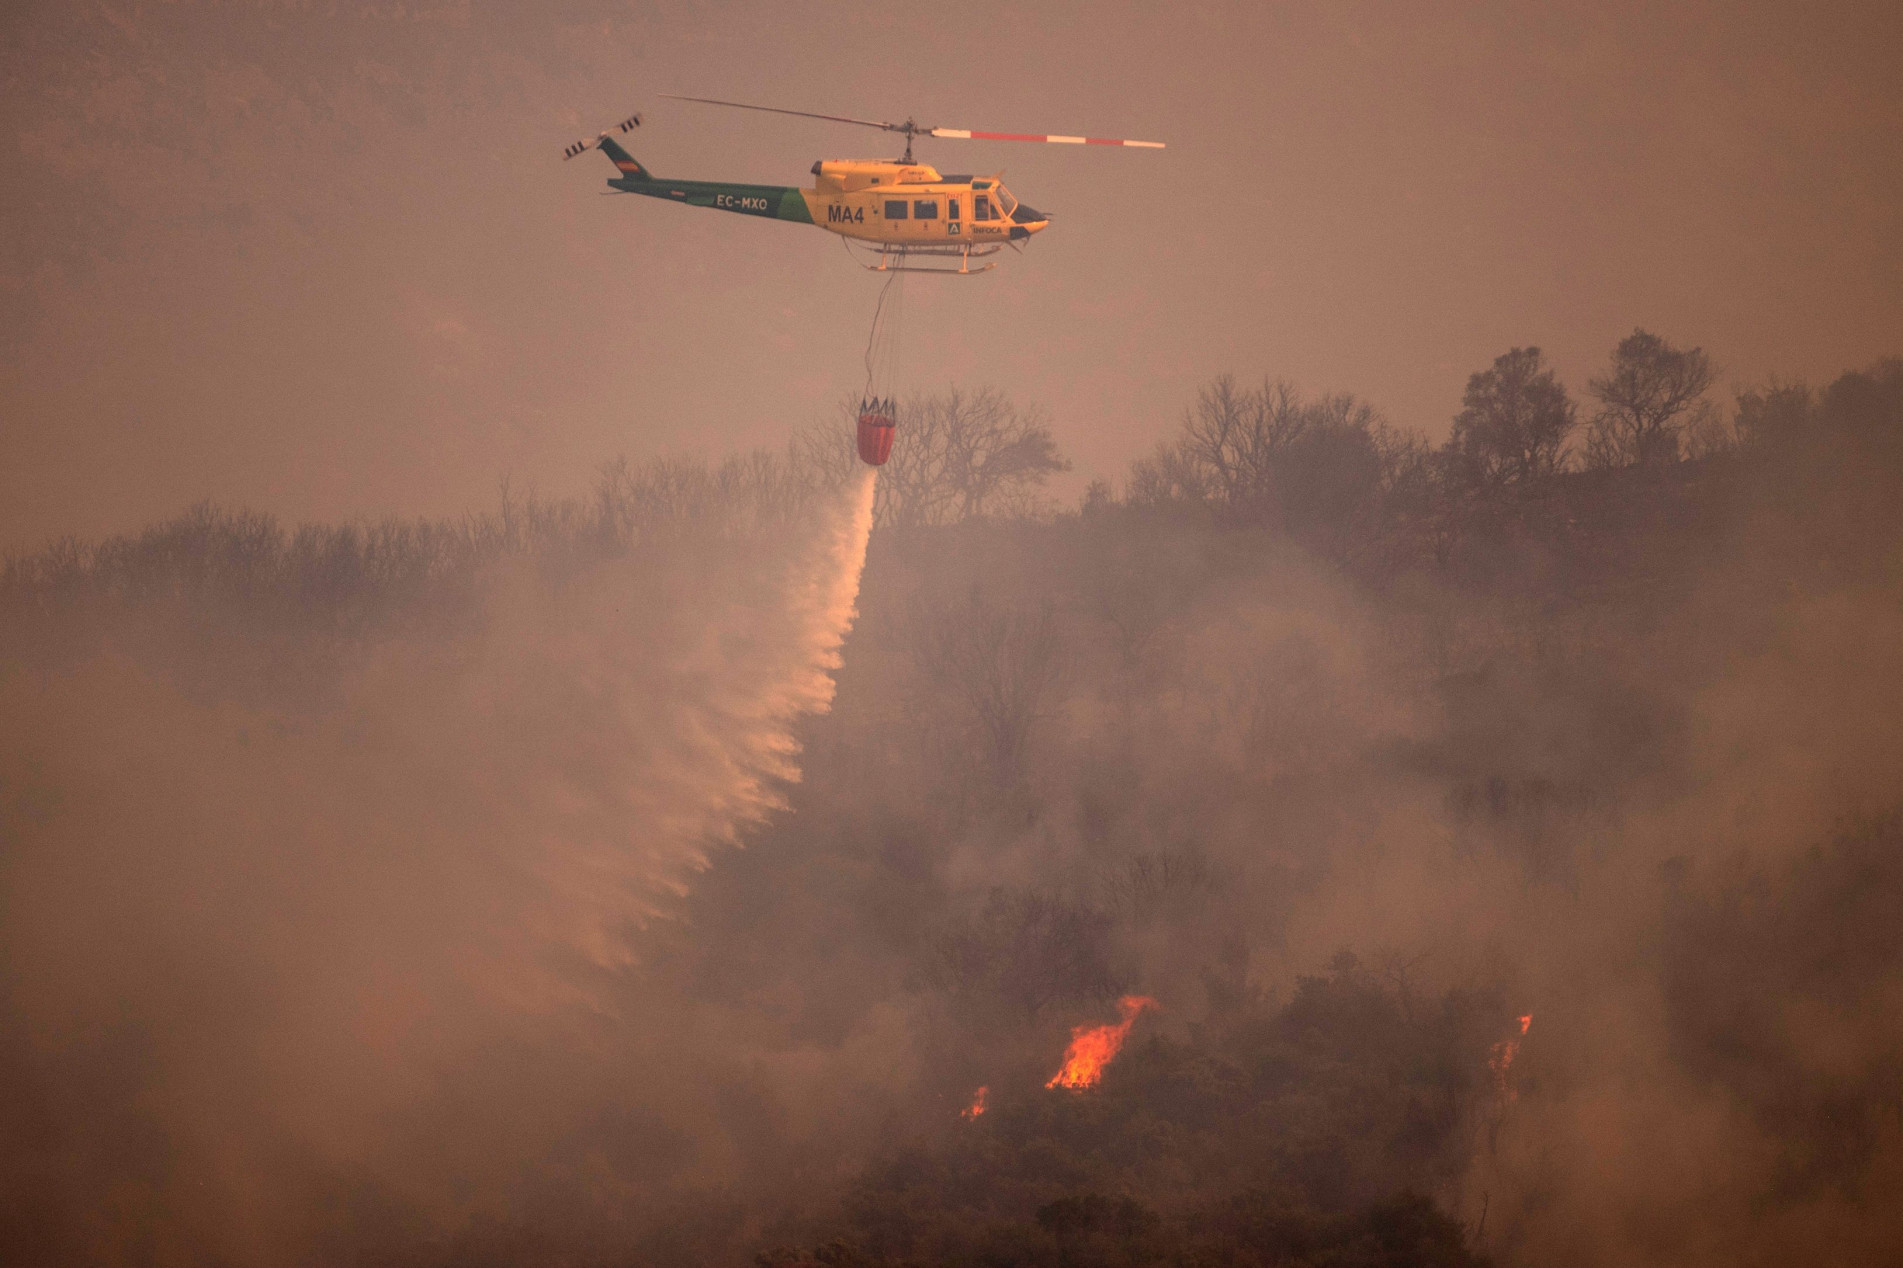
<point x="904" y="208"/>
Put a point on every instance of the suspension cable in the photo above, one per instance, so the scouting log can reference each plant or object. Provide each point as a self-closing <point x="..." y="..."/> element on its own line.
<point x="882" y="341"/>
<point x="872" y="336"/>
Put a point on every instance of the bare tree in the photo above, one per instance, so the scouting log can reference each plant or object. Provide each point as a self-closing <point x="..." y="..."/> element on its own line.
<point x="1170" y="474"/>
<point x="1648" y="397"/>
<point x="999" y="664"/>
<point x="1321" y="470"/>
<point x="1513" y="424"/>
<point x="1242" y="438"/>
<point x="957" y="456"/>
<point x="746" y="494"/>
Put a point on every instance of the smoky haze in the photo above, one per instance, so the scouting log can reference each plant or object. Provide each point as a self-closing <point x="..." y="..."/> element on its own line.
<point x="303" y="905"/>
<point x="1475" y="867"/>
<point x="1452" y="782"/>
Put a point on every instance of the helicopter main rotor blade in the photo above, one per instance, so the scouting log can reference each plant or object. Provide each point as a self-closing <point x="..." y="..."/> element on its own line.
<point x="804" y="114"/>
<point x="964" y="134"/>
<point x="910" y="128"/>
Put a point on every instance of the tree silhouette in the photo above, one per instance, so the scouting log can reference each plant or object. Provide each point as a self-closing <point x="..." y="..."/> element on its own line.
<point x="1513" y="424"/>
<point x="1321" y="470"/>
<point x="1648" y="397"/>
<point x="1000" y="662"/>
<point x="957" y="455"/>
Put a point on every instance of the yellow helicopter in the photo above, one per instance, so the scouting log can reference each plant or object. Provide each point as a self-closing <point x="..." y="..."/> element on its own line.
<point x="904" y="208"/>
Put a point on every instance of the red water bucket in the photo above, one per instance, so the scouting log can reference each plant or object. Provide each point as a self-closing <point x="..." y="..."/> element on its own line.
<point x="875" y="437"/>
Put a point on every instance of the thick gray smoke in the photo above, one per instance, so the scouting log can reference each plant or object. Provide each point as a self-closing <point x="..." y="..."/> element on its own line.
<point x="339" y="928"/>
<point x="259" y="946"/>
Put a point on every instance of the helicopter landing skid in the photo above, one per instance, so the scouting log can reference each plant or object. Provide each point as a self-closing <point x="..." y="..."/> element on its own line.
<point x="894" y="259"/>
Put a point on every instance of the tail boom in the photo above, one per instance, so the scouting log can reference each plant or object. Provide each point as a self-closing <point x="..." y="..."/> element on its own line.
<point x="773" y="202"/>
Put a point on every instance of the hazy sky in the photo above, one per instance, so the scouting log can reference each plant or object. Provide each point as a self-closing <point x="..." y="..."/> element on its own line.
<point x="324" y="259"/>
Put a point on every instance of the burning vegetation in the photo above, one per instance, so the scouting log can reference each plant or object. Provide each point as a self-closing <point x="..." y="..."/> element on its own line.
<point x="518" y="889"/>
<point x="1501" y="1059"/>
<point x="977" y="1106"/>
<point x="1094" y="1047"/>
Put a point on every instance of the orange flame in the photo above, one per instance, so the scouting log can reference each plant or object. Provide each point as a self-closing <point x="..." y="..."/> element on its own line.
<point x="977" y="1105"/>
<point x="1502" y="1059"/>
<point x="1094" y="1047"/>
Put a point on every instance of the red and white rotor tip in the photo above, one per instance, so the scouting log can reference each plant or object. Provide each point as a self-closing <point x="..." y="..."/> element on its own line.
<point x="628" y="124"/>
<point x="965" y="134"/>
<point x="910" y="129"/>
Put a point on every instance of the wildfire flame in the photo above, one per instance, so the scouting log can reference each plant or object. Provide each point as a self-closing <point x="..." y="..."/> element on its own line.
<point x="977" y="1105"/>
<point x="1094" y="1047"/>
<point x="1502" y="1059"/>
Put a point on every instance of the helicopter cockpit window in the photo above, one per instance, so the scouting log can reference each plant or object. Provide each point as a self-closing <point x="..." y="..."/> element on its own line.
<point x="1006" y="203"/>
<point x="925" y="209"/>
<point x="980" y="207"/>
<point x="895" y="209"/>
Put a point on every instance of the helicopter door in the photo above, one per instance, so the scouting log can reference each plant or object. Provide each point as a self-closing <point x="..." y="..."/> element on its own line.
<point x="927" y="221"/>
<point x="898" y="218"/>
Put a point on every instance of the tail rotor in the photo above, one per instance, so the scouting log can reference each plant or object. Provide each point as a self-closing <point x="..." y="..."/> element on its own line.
<point x="628" y="124"/>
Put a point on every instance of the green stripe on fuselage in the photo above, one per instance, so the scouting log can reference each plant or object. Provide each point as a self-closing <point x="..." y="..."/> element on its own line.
<point x="775" y="202"/>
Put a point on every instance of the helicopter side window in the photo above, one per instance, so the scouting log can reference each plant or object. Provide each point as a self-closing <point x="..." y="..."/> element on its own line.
<point x="980" y="207"/>
<point x="925" y="209"/>
<point x="895" y="209"/>
<point x="951" y="209"/>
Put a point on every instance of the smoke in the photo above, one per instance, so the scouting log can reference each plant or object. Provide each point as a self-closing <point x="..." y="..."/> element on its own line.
<point x="1666" y="836"/>
<point x="1653" y="810"/>
<point x="260" y="949"/>
<point x="435" y="943"/>
<point x="1715" y="1084"/>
